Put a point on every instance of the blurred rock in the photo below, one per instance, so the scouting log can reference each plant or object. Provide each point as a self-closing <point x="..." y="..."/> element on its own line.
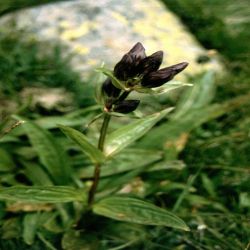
<point x="103" y="30"/>
<point x="52" y="98"/>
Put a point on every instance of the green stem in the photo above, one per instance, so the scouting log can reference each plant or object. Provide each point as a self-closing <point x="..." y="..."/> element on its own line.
<point x="97" y="171"/>
<point x="103" y="131"/>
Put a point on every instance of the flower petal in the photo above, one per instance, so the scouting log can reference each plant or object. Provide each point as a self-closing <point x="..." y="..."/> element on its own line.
<point x="158" y="78"/>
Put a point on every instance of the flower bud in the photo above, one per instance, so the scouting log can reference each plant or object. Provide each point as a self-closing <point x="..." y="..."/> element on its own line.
<point x="126" y="106"/>
<point x="138" y="53"/>
<point x="158" y="78"/>
<point x="109" y="89"/>
<point x="124" y="68"/>
<point x="127" y="67"/>
<point x="151" y="63"/>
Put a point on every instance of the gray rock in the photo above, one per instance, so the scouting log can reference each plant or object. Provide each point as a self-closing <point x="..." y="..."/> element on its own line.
<point x="103" y="30"/>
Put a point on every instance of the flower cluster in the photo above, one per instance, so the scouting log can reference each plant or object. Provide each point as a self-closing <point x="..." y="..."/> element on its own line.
<point x="134" y="70"/>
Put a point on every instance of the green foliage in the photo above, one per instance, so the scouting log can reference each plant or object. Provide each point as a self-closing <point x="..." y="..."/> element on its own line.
<point x="220" y="147"/>
<point x="48" y="194"/>
<point x="126" y="135"/>
<point x="79" y="138"/>
<point x="192" y="162"/>
<point x="30" y="224"/>
<point x="46" y="158"/>
<point x="6" y="162"/>
<point x="50" y="153"/>
<point x="152" y="166"/>
<point x="137" y="211"/>
<point x="217" y="24"/>
<point x="125" y="161"/>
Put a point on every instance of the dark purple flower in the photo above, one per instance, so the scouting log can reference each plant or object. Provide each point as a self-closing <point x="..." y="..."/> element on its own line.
<point x="127" y="67"/>
<point x="138" y="53"/>
<point x="109" y="89"/>
<point x="126" y="106"/>
<point x="150" y="63"/>
<point x="159" y="77"/>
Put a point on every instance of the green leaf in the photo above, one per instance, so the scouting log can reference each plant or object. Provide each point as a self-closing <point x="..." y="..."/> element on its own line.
<point x="245" y="200"/>
<point x="129" y="160"/>
<point x="30" y="224"/>
<point x="196" y="97"/>
<point x="49" y="220"/>
<point x="208" y="185"/>
<point x="6" y="162"/>
<point x="163" y="89"/>
<point x="50" y="152"/>
<point x="9" y="138"/>
<point x="116" y="182"/>
<point x="50" y="194"/>
<point x="167" y="165"/>
<point x="36" y="174"/>
<point x="174" y="128"/>
<point x="126" y="135"/>
<point x="76" y="118"/>
<point x="79" y="138"/>
<point x="11" y="228"/>
<point x="79" y="240"/>
<point x="189" y="113"/>
<point x="137" y="211"/>
<point x="114" y="80"/>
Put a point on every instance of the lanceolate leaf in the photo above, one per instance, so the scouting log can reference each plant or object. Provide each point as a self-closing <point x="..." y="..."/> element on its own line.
<point x="50" y="152"/>
<point x="126" y="135"/>
<point x="137" y="211"/>
<point x="163" y="89"/>
<point x="75" y="118"/>
<point x="128" y="160"/>
<point x="51" y="194"/>
<point x="30" y="225"/>
<point x="79" y="138"/>
<point x="200" y="95"/>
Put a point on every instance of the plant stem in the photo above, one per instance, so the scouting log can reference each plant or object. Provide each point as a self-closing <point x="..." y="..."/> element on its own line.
<point x="97" y="171"/>
<point x="101" y="141"/>
<point x="103" y="131"/>
<point x="123" y="96"/>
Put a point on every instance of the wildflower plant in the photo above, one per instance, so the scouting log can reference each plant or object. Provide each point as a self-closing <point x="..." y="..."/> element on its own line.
<point x="134" y="72"/>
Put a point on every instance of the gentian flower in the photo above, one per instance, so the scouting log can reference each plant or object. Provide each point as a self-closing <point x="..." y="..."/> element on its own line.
<point x="136" y="71"/>
<point x="127" y="67"/>
<point x="157" y="78"/>
<point x="126" y="106"/>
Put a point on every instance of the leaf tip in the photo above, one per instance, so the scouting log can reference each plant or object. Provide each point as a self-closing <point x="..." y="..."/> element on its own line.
<point x="186" y="228"/>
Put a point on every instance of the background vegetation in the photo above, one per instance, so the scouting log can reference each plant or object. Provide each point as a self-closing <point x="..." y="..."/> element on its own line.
<point x="13" y="5"/>
<point x="196" y="161"/>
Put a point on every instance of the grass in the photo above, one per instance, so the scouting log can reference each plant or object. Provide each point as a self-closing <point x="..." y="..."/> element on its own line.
<point x="215" y="23"/>
<point x="221" y="147"/>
